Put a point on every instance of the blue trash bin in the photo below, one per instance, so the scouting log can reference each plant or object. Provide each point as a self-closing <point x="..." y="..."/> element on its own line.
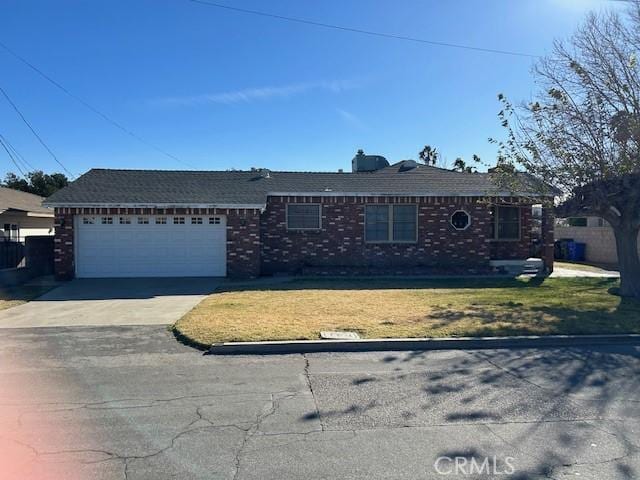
<point x="571" y="250"/>
<point x="580" y="252"/>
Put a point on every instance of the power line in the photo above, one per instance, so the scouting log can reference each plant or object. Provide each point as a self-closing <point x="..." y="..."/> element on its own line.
<point x="18" y="155"/>
<point x="26" y="122"/>
<point x="11" y="157"/>
<point x="364" y="32"/>
<point x="87" y="105"/>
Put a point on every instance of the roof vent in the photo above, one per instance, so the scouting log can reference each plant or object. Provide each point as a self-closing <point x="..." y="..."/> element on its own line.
<point x="407" y="165"/>
<point x="367" y="163"/>
<point x="262" y="172"/>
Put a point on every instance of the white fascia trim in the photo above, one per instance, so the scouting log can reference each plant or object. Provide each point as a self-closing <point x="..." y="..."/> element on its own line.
<point x="260" y="206"/>
<point x="413" y="194"/>
<point x="40" y="215"/>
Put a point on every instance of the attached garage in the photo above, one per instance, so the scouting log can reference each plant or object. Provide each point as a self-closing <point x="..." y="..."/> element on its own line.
<point x="150" y="246"/>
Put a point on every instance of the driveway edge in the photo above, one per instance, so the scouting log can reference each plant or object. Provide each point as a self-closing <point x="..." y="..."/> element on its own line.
<point x="399" y="344"/>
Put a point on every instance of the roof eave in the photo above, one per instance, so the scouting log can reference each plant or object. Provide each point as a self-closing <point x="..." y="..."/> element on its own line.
<point x="406" y="194"/>
<point x="154" y="205"/>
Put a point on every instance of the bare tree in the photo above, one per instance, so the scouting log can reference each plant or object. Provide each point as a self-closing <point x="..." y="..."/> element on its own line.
<point x="581" y="133"/>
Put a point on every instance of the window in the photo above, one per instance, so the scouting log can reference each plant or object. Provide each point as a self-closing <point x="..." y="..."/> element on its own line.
<point x="390" y="223"/>
<point x="196" y="220"/>
<point x="460" y="220"/>
<point x="303" y="217"/>
<point x="161" y="220"/>
<point x="107" y="220"/>
<point x="125" y="220"/>
<point x="143" y="220"/>
<point x="214" y="220"/>
<point x="88" y="220"/>
<point x="505" y="223"/>
<point x="11" y="231"/>
<point x="578" y="222"/>
<point x="178" y="220"/>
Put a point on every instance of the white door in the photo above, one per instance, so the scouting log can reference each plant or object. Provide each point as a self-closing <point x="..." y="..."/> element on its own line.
<point x="150" y="246"/>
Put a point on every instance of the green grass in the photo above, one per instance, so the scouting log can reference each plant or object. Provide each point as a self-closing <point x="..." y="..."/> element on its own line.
<point x="13" y="296"/>
<point x="395" y="308"/>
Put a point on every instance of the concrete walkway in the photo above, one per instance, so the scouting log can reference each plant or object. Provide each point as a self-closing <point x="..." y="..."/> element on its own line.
<point x="111" y="302"/>
<point x="559" y="272"/>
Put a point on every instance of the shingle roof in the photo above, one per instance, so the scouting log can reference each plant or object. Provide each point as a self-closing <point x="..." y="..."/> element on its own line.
<point x="101" y="186"/>
<point x="11" y="199"/>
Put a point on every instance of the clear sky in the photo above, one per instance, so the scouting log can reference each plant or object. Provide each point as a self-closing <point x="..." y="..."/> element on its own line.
<point x="220" y="89"/>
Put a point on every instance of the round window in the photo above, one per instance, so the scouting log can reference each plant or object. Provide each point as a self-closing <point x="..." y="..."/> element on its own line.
<point x="460" y="220"/>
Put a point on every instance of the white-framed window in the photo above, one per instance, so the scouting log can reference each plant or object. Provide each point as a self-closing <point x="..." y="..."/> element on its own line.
<point x="505" y="223"/>
<point x="460" y="220"/>
<point x="214" y="220"/>
<point x="107" y="221"/>
<point x="125" y="220"/>
<point x="88" y="220"/>
<point x="196" y="220"/>
<point x="11" y="231"/>
<point x="178" y="220"/>
<point x="303" y="216"/>
<point x="161" y="220"/>
<point x="391" y="223"/>
<point x="143" y="220"/>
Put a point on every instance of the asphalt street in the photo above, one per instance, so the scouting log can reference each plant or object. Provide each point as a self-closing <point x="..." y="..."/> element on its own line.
<point x="132" y="403"/>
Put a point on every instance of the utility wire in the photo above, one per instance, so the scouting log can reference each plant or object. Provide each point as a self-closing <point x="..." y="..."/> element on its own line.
<point x="18" y="155"/>
<point x="11" y="157"/>
<point x="362" y="31"/>
<point x="26" y="122"/>
<point x="87" y="105"/>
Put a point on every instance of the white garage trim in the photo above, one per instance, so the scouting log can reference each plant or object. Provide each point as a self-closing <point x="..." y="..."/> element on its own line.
<point x="115" y="245"/>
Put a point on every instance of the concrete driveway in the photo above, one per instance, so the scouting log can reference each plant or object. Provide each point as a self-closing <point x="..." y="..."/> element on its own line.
<point x="114" y="403"/>
<point x="111" y="302"/>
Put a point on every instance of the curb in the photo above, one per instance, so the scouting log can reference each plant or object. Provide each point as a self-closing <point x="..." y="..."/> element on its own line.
<point x="400" y="344"/>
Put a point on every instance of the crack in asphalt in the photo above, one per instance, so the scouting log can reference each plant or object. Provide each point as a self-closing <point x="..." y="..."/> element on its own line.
<point x="307" y="376"/>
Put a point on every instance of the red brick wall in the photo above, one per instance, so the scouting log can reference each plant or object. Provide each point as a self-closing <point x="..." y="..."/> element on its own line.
<point x="63" y="258"/>
<point x="243" y="244"/>
<point x="260" y="243"/>
<point x="243" y="236"/>
<point x="440" y="248"/>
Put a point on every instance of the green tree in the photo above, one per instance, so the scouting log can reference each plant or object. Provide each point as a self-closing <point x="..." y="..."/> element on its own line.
<point x="428" y="155"/>
<point x="459" y="165"/>
<point x="581" y="133"/>
<point x="36" y="182"/>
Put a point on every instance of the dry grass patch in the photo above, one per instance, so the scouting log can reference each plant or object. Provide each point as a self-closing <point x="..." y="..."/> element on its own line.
<point x="384" y="309"/>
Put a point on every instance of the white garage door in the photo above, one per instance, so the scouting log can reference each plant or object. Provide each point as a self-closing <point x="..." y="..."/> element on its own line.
<point x="150" y="246"/>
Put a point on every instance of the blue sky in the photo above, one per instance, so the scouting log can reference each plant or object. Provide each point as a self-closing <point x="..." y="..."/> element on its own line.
<point x="219" y="89"/>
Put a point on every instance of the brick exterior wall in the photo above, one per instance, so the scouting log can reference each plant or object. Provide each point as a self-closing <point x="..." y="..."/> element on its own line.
<point x="340" y="247"/>
<point x="63" y="257"/>
<point x="259" y="243"/>
<point x="243" y="244"/>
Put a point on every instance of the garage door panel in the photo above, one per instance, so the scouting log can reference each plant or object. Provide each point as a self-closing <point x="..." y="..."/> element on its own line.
<point x="132" y="249"/>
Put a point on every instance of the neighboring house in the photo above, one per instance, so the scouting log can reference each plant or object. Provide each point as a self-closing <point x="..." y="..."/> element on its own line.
<point x="393" y="219"/>
<point x="22" y="215"/>
<point x="595" y="232"/>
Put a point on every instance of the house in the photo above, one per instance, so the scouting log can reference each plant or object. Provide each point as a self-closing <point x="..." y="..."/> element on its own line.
<point x="22" y="215"/>
<point x="403" y="218"/>
<point x="595" y="233"/>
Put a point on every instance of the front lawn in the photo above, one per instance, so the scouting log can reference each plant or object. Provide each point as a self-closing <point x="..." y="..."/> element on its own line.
<point x="395" y="308"/>
<point x="13" y="296"/>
